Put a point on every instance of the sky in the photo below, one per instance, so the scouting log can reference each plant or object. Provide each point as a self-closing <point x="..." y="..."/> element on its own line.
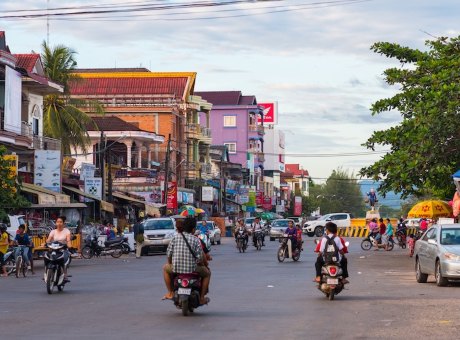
<point x="312" y="57"/>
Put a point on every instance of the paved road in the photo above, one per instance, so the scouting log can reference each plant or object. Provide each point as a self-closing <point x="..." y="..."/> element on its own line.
<point x="252" y="297"/>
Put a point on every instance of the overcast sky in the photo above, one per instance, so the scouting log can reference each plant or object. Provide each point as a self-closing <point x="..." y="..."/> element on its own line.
<point x="315" y="62"/>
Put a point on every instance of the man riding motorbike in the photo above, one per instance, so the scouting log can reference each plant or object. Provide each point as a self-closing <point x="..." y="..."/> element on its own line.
<point x="181" y="260"/>
<point x="257" y="226"/>
<point x="241" y="227"/>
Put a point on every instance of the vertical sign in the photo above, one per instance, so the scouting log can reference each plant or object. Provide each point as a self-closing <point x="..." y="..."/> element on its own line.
<point x="47" y="169"/>
<point x="172" y="195"/>
<point x="267" y="205"/>
<point x="87" y="171"/>
<point x="207" y="194"/>
<point x="93" y="186"/>
<point x="297" y="206"/>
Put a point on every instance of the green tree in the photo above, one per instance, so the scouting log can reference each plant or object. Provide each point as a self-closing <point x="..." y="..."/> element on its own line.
<point x="9" y="188"/>
<point x="425" y="146"/>
<point x="340" y="193"/>
<point x="63" y="118"/>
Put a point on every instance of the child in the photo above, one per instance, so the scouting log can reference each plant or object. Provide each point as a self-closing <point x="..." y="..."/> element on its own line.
<point x="411" y="244"/>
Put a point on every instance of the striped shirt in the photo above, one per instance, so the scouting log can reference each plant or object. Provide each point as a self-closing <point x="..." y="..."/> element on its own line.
<point x="182" y="258"/>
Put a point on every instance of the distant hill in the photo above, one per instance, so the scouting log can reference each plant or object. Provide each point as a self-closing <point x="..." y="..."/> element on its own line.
<point x="391" y="200"/>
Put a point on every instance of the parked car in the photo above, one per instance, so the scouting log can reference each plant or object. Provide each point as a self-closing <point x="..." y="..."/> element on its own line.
<point x="297" y="220"/>
<point x="437" y="253"/>
<point x="278" y="227"/>
<point x="158" y="233"/>
<point x="316" y="228"/>
<point x="214" y="232"/>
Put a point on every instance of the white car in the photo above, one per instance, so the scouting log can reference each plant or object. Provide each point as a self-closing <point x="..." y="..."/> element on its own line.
<point x="158" y="233"/>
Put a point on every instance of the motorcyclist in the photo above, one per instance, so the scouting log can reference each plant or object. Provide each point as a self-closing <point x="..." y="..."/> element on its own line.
<point x="61" y="234"/>
<point x="331" y="232"/>
<point x="241" y="227"/>
<point x="291" y="232"/>
<point x="257" y="226"/>
<point x="181" y="259"/>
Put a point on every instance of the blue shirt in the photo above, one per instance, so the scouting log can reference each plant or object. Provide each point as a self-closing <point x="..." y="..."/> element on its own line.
<point x="23" y="240"/>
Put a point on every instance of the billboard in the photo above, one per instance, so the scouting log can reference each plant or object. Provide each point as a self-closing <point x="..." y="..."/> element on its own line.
<point x="47" y="169"/>
<point x="297" y="206"/>
<point x="93" y="186"/>
<point x="270" y="113"/>
<point x="207" y="194"/>
<point x="171" y="202"/>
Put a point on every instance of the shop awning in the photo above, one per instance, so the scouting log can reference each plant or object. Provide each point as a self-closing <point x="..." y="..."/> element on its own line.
<point x="45" y="196"/>
<point x="150" y="208"/>
<point x="106" y="206"/>
<point x="128" y="198"/>
<point x="58" y="205"/>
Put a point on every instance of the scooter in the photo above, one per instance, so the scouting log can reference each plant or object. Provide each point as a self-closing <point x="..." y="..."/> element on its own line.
<point x="241" y="242"/>
<point x="92" y="248"/>
<point x="285" y="250"/>
<point x="259" y="235"/>
<point x="54" y="266"/>
<point x="187" y="292"/>
<point x="371" y="240"/>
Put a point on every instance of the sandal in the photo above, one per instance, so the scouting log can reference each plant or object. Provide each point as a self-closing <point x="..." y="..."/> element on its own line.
<point x="207" y="301"/>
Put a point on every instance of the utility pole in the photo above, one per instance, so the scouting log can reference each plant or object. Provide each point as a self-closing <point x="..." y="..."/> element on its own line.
<point x="102" y="163"/>
<point x="167" y="161"/>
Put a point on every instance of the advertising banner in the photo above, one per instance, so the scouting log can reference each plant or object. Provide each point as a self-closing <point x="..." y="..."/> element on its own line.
<point x="87" y="170"/>
<point x="270" y="113"/>
<point x="297" y="206"/>
<point x="93" y="186"/>
<point x="259" y="198"/>
<point x="207" y="194"/>
<point x="267" y="205"/>
<point x="172" y="195"/>
<point x="47" y="169"/>
<point x="244" y="195"/>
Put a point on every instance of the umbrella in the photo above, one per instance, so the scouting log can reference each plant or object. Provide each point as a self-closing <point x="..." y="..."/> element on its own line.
<point x="177" y="217"/>
<point x="430" y="209"/>
<point x="199" y="211"/>
<point x="188" y="212"/>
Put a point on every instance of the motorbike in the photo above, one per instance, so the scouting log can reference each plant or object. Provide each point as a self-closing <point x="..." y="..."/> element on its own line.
<point x="21" y="266"/>
<point x="259" y="234"/>
<point x="402" y="238"/>
<point x="285" y="249"/>
<point x="92" y="248"/>
<point x="187" y="292"/>
<point x="241" y="242"/>
<point x="331" y="279"/>
<point x="10" y="263"/>
<point x="126" y="249"/>
<point x="54" y="266"/>
<point x="371" y="240"/>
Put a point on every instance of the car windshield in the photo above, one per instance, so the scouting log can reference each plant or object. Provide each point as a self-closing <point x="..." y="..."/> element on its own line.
<point x="450" y="236"/>
<point x="158" y="225"/>
<point x="280" y="224"/>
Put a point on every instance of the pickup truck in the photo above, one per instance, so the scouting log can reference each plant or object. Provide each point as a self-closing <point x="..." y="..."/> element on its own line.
<point x="316" y="228"/>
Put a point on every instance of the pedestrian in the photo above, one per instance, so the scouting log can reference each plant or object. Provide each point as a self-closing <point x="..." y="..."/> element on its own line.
<point x="4" y="243"/>
<point x="138" y="230"/>
<point x="382" y="229"/>
<point x="388" y="234"/>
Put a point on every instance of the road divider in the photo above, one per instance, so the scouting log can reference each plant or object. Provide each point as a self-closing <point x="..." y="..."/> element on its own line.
<point x="360" y="231"/>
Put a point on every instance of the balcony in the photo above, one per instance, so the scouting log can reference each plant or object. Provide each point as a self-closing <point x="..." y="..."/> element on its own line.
<point x="205" y="168"/>
<point x="192" y="130"/>
<point x="257" y="128"/>
<point x="192" y="170"/>
<point x="205" y="135"/>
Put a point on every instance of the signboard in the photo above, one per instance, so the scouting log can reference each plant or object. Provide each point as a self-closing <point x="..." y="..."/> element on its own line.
<point x="267" y="205"/>
<point x="259" y="198"/>
<point x="47" y="169"/>
<point x="244" y="195"/>
<point x="45" y="199"/>
<point x="93" y="186"/>
<point x="207" y="194"/>
<point x="297" y="206"/>
<point x="171" y="202"/>
<point x="270" y="113"/>
<point x="87" y="171"/>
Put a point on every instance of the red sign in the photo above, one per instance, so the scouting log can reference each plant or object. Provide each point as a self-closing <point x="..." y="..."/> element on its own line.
<point x="259" y="198"/>
<point x="297" y="206"/>
<point x="172" y="195"/>
<point x="267" y="205"/>
<point x="269" y="113"/>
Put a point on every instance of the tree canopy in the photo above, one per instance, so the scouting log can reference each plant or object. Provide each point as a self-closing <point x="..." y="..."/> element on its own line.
<point x="425" y="145"/>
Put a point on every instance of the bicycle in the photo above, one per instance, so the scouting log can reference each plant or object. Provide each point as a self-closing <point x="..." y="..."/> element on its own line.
<point x="21" y="263"/>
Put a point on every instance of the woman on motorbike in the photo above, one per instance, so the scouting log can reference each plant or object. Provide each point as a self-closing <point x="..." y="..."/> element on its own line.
<point x="291" y="232"/>
<point x="62" y="235"/>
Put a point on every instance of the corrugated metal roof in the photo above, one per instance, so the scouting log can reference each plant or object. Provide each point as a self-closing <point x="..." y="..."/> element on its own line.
<point x="27" y="61"/>
<point x="111" y="123"/>
<point x="295" y="170"/>
<point x="129" y="86"/>
<point x="103" y="70"/>
<point x="221" y="97"/>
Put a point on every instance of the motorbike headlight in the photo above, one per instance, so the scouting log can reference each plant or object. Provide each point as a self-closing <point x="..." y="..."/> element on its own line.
<point x="452" y="257"/>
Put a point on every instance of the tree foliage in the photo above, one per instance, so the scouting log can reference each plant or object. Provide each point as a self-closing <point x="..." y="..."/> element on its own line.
<point x="9" y="188"/>
<point x="63" y="119"/>
<point x="425" y="146"/>
<point x="340" y="193"/>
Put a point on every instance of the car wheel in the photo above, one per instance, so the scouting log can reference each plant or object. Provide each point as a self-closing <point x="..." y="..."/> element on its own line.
<point x="420" y="277"/>
<point x="319" y="231"/>
<point x="440" y="280"/>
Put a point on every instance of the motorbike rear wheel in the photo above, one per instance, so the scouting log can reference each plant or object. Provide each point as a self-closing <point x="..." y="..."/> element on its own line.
<point x="87" y="252"/>
<point x="391" y="245"/>
<point x="296" y="256"/>
<point x="117" y="252"/>
<point x="331" y="295"/>
<point x="50" y="281"/>
<point x="366" y="244"/>
<point x="240" y="245"/>
<point x="185" y="309"/>
<point x="281" y="254"/>
<point x="10" y="266"/>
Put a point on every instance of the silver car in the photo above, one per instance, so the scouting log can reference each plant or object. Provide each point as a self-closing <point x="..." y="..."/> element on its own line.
<point x="158" y="233"/>
<point x="278" y="227"/>
<point x="437" y="253"/>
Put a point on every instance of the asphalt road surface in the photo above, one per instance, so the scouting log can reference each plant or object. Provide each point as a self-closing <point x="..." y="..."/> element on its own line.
<point x="252" y="297"/>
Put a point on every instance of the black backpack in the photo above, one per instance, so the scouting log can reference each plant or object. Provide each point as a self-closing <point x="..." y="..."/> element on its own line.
<point x="331" y="251"/>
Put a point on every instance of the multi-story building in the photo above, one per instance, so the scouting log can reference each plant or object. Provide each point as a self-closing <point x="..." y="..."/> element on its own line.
<point x="155" y="102"/>
<point x="274" y="163"/>
<point x="297" y="178"/>
<point x="234" y="123"/>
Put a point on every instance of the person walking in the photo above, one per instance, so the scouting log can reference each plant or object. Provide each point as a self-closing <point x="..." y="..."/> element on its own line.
<point x="138" y="230"/>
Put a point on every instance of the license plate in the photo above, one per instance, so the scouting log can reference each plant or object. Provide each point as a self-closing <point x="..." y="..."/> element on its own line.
<point x="185" y="291"/>
<point x="332" y="281"/>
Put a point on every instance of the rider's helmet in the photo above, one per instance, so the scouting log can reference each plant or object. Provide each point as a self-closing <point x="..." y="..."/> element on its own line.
<point x="3" y="227"/>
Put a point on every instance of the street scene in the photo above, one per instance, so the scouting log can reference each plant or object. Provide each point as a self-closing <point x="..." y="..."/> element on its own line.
<point x="258" y="169"/>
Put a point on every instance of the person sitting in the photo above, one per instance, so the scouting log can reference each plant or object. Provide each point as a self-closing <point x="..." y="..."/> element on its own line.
<point x="241" y="227"/>
<point x="291" y="232"/>
<point x="22" y="239"/>
<point x="181" y="259"/>
<point x="331" y="235"/>
<point x="257" y="227"/>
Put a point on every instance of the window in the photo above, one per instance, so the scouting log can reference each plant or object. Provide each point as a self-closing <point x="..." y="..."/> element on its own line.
<point x="429" y="234"/>
<point x="229" y="121"/>
<point x="35" y="126"/>
<point x="231" y="147"/>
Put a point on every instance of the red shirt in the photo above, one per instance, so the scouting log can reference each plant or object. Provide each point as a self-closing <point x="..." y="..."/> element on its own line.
<point x="345" y="249"/>
<point x="383" y="228"/>
<point x="299" y="234"/>
<point x="423" y="225"/>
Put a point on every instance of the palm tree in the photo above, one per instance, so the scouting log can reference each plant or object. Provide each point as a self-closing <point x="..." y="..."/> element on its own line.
<point x="63" y="119"/>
